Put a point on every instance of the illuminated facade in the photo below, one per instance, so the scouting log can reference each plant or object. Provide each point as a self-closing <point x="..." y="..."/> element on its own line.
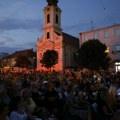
<point x="109" y="36"/>
<point x="53" y="38"/>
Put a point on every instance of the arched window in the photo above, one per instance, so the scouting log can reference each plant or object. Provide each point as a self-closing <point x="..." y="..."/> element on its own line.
<point x="57" y="53"/>
<point x="48" y="35"/>
<point x="57" y="19"/>
<point x="48" y="18"/>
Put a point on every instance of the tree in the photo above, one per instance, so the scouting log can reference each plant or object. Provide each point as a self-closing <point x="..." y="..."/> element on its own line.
<point x="92" y="55"/>
<point x="3" y="59"/>
<point x="22" y="61"/>
<point x="4" y="62"/>
<point x="49" y="59"/>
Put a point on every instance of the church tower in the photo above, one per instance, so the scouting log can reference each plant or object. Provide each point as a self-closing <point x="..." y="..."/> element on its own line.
<point x="52" y="34"/>
<point x="53" y="38"/>
<point x="52" y="19"/>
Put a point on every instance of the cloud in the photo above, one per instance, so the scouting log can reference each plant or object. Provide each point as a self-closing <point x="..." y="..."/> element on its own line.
<point x="97" y="22"/>
<point x="15" y="47"/>
<point x="19" y="9"/>
<point x="10" y="50"/>
<point x="25" y="45"/>
<point x="76" y="27"/>
<point x="31" y="43"/>
<point x="19" y="15"/>
<point x="4" y="40"/>
<point x="13" y="24"/>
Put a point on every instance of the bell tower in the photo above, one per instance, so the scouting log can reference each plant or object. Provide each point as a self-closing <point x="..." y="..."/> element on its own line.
<point x="52" y="34"/>
<point x="52" y="19"/>
<point x="54" y="39"/>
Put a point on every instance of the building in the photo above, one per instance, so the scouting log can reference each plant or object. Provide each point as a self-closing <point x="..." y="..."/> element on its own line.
<point x="109" y="36"/>
<point x="53" y="38"/>
<point x="10" y="60"/>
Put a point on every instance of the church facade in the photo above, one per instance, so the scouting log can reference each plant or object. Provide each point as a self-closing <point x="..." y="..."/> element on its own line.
<point x="54" y="39"/>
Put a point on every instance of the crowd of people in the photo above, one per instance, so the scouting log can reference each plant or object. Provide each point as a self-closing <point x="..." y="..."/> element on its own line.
<point x="66" y="95"/>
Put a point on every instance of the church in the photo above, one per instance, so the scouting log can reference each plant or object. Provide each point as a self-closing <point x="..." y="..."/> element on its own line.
<point x="54" y="39"/>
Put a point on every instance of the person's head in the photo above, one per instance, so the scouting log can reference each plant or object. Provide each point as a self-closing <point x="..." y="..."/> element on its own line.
<point x="104" y="94"/>
<point x="16" y="103"/>
<point x="92" y="87"/>
<point x="26" y="93"/>
<point x="4" y="110"/>
<point x="50" y="86"/>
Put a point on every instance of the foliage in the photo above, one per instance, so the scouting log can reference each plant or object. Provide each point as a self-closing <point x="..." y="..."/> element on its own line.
<point x="4" y="62"/>
<point x="92" y="55"/>
<point x="22" y="61"/>
<point x="49" y="59"/>
<point x="35" y="62"/>
<point x="3" y="59"/>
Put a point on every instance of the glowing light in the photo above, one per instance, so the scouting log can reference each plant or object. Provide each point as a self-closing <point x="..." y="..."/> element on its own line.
<point x="107" y="50"/>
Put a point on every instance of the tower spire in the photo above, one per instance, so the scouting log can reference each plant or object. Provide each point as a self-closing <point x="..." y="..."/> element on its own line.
<point x="52" y="2"/>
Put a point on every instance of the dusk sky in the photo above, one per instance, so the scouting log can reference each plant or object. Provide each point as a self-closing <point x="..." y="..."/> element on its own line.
<point x="21" y="21"/>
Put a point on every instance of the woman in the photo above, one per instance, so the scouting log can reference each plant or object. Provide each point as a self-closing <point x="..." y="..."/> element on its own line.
<point x="17" y="109"/>
<point x="104" y="104"/>
<point x="76" y="109"/>
<point x="30" y="104"/>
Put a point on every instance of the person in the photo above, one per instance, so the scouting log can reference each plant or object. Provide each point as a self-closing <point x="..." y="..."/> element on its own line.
<point x="29" y="102"/>
<point x="75" y="109"/>
<point x="4" y="96"/>
<point x="37" y="95"/>
<point x="116" y="115"/>
<point x="4" y="111"/>
<point x="17" y="109"/>
<point x="52" y="100"/>
<point x="51" y="97"/>
<point x="104" y="104"/>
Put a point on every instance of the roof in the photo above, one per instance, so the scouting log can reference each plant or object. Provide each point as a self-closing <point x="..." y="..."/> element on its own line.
<point x="116" y="25"/>
<point x="27" y="52"/>
<point x="71" y="40"/>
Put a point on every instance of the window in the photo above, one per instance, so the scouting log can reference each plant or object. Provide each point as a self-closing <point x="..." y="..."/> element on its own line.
<point x="48" y="35"/>
<point x="117" y="66"/>
<point x="117" y="48"/>
<point x="117" y="63"/>
<point x="85" y="37"/>
<point x="106" y="34"/>
<point x="48" y="9"/>
<point x="48" y="18"/>
<point x="117" y="31"/>
<point x="96" y="35"/>
<point x="57" y="19"/>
